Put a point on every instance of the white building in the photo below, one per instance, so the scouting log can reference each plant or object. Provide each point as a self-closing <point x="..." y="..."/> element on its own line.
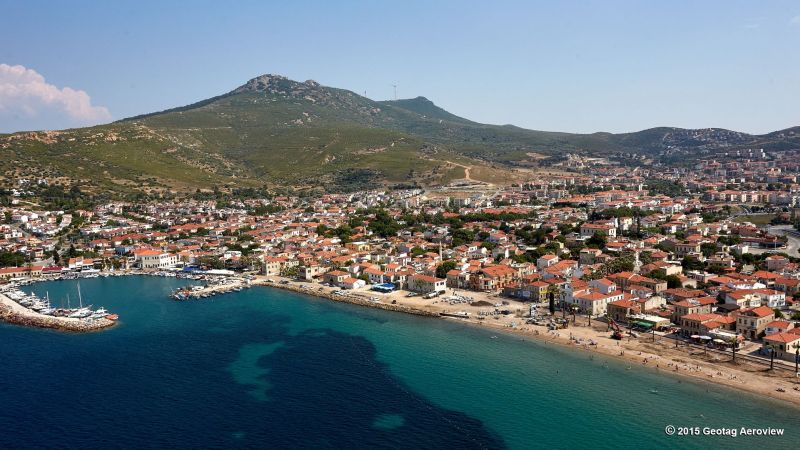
<point x="154" y="259"/>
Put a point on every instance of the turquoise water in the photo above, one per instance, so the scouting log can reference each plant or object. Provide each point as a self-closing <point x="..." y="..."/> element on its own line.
<point x="266" y="368"/>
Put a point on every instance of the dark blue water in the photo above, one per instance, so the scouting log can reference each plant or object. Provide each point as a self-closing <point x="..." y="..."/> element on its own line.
<point x="266" y="368"/>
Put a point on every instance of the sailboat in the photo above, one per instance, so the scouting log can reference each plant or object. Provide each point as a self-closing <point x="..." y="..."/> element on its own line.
<point x="81" y="312"/>
<point x="48" y="310"/>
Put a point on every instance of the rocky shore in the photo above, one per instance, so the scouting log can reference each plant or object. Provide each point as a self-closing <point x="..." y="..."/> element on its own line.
<point x="350" y="298"/>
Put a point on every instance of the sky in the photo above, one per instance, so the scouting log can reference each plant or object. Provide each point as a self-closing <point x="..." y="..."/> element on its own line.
<point x="574" y="66"/>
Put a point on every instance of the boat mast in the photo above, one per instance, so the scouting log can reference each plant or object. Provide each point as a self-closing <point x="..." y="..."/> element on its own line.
<point x="80" y="299"/>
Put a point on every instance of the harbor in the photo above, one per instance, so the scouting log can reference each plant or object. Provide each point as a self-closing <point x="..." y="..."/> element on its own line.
<point x="19" y="308"/>
<point x="224" y="352"/>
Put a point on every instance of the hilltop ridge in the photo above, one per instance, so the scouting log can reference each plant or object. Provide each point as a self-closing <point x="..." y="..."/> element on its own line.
<point x="274" y="131"/>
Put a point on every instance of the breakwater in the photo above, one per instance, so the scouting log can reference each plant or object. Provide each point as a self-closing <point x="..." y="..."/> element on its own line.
<point x="15" y="316"/>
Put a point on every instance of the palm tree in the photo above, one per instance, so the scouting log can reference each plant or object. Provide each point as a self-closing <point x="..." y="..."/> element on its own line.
<point x="555" y="291"/>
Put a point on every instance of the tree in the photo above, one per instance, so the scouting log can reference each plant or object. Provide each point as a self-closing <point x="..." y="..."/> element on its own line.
<point x="211" y="262"/>
<point x="462" y="236"/>
<point x="673" y="281"/>
<point x="708" y="249"/>
<point x="598" y="240"/>
<point x="417" y="251"/>
<point x="11" y="259"/>
<point x="443" y="268"/>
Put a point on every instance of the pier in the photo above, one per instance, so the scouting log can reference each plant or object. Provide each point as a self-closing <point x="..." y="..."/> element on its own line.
<point x="219" y="286"/>
<point x="13" y="312"/>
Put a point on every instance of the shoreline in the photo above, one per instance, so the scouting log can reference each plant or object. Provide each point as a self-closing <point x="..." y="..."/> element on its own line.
<point x="15" y="314"/>
<point x="660" y="356"/>
<point x="326" y="294"/>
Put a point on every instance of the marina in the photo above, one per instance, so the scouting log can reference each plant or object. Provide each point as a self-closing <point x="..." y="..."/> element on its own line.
<point x="21" y="308"/>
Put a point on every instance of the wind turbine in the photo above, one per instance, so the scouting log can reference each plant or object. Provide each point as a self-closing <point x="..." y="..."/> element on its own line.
<point x="395" y="91"/>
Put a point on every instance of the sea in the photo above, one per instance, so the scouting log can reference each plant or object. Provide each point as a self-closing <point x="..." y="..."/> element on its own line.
<point x="266" y="368"/>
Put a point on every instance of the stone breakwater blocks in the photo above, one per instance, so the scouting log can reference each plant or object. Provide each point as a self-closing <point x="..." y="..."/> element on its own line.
<point x="53" y="322"/>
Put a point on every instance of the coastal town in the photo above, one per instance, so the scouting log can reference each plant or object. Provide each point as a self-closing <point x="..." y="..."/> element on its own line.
<point x="693" y="270"/>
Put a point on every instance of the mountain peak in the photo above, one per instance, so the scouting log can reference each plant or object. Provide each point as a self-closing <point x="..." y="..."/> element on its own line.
<point x="264" y="83"/>
<point x="280" y="86"/>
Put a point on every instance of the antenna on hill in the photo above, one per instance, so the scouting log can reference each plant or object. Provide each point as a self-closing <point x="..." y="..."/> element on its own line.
<point x="395" y="91"/>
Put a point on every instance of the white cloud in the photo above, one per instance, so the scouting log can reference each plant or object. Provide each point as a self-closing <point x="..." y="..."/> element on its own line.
<point x="25" y="97"/>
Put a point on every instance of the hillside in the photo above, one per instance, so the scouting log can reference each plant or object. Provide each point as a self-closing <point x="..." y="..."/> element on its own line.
<point x="275" y="131"/>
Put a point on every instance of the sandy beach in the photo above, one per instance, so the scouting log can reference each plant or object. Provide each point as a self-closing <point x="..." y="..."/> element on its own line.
<point x="659" y="354"/>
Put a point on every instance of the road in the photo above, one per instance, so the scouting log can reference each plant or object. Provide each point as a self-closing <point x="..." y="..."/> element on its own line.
<point x="792" y="245"/>
<point x="793" y="236"/>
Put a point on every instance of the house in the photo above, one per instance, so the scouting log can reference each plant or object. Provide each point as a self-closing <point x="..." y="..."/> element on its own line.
<point x="493" y="277"/>
<point x="424" y="284"/>
<point x="17" y="272"/>
<point x="620" y="310"/>
<point x="627" y="279"/>
<point x="785" y="345"/>
<point x="662" y="268"/>
<point x="590" y="229"/>
<point x="603" y="285"/>
<point x="538" y="290"/>
<point x="546" y="261"/>
<point x="778" y="326"/>
<point x="589" y="255"/>
<point x="772" y="298"/>
<point x="776" y="262"/>
<point x="80" y="263"/>
<point x="701" y="324"/>
<point x="335" y="277"/>
<point x="702" y="305"/>
<point x="352" y="283"/>
<point x="788" y="286"/>
<point x="596" y="303"/>
<point x="310" y="272"/>
<point x="752" y="322"/>
<point x="271" y="266"/>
